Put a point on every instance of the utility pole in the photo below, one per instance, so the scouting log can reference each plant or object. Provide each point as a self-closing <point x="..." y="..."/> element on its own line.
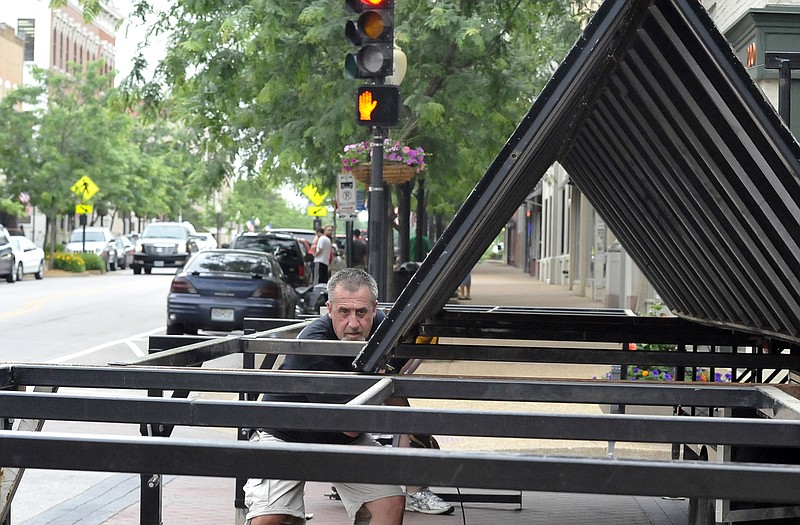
<point x="378" y="217"/>
<point x="377" y="106"/>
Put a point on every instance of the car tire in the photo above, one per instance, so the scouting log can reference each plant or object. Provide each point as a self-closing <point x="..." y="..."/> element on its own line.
<point x="112" y="264"/>
<point x="12" y="274"/>
<point x="20" y="272"/>
<point x="137" y="270"/>
<point x="40" y="272"/>
<point x="148" y="271"/>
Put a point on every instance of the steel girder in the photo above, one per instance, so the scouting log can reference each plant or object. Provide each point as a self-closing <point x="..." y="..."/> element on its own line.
<point x="742" y="482"/>
<point x="397" y="420"/>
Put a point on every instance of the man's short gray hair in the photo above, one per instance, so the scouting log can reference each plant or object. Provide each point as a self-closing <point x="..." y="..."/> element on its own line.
<point x="352" y="279"/>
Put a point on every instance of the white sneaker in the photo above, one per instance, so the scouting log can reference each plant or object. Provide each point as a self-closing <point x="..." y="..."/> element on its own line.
<point x="427" y="502"/>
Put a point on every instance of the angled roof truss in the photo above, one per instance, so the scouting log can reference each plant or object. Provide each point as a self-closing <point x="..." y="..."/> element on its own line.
<point x="659" y="124"/>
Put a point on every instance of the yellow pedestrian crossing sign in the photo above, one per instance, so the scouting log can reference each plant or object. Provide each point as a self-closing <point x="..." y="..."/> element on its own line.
<point x="314" y="195"/>
<point x="85" y="188"/>
<point x="317" y="211"/>
<point x="83" y="209"/>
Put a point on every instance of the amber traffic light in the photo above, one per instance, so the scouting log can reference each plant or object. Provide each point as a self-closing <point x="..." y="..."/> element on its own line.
<point x="373" y="33"/>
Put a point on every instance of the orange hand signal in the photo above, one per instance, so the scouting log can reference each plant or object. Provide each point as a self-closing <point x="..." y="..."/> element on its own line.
<point x="366" y="105"/>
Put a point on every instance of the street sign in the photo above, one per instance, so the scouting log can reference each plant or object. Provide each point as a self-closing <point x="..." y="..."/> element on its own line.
<point x="314" y="195"/>
<point x="317" y="211"/>
<point x="346" y="190"/>
<point x="85" y="188"/>
<point x="83" y="209"/>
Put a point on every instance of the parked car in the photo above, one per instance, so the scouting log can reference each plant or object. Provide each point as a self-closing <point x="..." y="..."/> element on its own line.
<point x="217" y="289"/>
<point x="124" y="251"/>
<point x="8" y="265"/>
<point x="286" y="249"/>
<point x="94" y="239"/>
<point x="28" y="257"/>
<point x="308" y="237"/>
<point x="205" y="240"/>
<point x="313" y="298"/>
<point x="164" y="245"/>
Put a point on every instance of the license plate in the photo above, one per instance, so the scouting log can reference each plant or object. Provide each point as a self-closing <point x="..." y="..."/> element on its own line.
<point x="222" y="314"/>
<point x="158" y="263"/>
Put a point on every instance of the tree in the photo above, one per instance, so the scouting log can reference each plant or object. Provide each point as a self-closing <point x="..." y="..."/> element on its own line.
<point x="67" y="126"/>
<point x="264" y="83"/>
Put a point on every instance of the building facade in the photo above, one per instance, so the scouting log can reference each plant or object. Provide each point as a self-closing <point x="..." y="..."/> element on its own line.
<point x="34" y="34"/>
<point x="559" y="238"/>
<point x="12" y="53"/>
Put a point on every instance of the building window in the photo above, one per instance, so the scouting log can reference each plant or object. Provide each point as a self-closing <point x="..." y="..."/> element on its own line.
<point x="26" y="27"/>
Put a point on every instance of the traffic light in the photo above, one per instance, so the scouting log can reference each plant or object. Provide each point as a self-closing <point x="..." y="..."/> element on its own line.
<point x="373" y="31"/>
<point x="378" y="105"/>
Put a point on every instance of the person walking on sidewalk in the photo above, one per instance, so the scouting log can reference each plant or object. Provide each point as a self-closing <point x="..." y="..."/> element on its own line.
<point x="352" y="312"/>
<point x="359" y="251"/>
<point x="323" y="253"/>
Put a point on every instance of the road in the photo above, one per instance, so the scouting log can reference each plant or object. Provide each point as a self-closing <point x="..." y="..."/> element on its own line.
<point x="82" y="319"/>
<point x="79" y="319"/>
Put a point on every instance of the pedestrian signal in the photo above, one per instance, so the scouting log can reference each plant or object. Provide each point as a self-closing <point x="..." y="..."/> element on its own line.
<point x="378" y="105"/>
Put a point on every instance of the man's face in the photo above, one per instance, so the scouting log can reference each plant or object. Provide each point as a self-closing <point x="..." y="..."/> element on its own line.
<point x="329" y="231"/>
<point x="352" y="314"/>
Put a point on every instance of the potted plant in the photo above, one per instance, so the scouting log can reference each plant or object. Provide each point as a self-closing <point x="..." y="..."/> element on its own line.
<point x="400" y="162"/>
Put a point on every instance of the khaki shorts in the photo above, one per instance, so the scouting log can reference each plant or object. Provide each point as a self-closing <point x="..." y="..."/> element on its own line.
<point x="273" y="496"/>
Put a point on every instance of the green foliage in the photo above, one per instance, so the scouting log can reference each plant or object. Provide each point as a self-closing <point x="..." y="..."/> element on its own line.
<point x="59" y="248"/>
<point x="82" y="127"/>
<point x="92" y="261"/>
<point x="261" y="84"/>
<point x="11" y="207"/>
<point x="256" y="198"/>
<point x="69" y="262"/>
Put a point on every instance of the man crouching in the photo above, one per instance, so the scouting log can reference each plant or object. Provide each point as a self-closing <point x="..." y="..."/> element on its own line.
<point x="352" y="316"/>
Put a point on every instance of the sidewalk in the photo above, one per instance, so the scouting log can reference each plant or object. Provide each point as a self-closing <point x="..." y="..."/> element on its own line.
<point x="114" y="500"/>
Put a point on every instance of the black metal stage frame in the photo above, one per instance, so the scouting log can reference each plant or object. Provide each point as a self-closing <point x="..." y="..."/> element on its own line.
<point x="767" y="415"/>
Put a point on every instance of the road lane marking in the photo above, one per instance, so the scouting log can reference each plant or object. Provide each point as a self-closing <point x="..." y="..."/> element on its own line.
<point x="138" y="352"/>
<point x="36" y="304"/>
<point x="103" y="346"/>
<point x="30" y="306"/>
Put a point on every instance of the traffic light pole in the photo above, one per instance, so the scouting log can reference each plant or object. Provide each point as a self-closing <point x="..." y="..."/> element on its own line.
<point x="378" y="232"/>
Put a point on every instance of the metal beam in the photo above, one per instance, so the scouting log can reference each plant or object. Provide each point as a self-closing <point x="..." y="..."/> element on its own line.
<point x="577" y="355"/>
<point x="517" y="389"/>
<point x="398" y="420"/>
<point x="740" y="482"/>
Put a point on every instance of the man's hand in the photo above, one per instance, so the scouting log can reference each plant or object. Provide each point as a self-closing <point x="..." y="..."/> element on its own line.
<point x="366" y="105"/>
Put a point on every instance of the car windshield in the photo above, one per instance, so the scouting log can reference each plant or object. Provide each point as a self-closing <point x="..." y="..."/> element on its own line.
<point x="165" y="230"/>
<point x="229" y="262"/>
<point x="91" y="236"/>
<point x="264" y="244"/>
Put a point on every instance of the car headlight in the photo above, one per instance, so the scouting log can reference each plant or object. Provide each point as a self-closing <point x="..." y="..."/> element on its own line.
<point x="138" y="248"/>
<point x="181" y="247"/>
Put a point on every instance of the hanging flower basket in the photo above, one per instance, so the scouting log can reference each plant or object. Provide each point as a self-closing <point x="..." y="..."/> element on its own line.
<point x="393" y="173"/>
<point x="400" y="163"/>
